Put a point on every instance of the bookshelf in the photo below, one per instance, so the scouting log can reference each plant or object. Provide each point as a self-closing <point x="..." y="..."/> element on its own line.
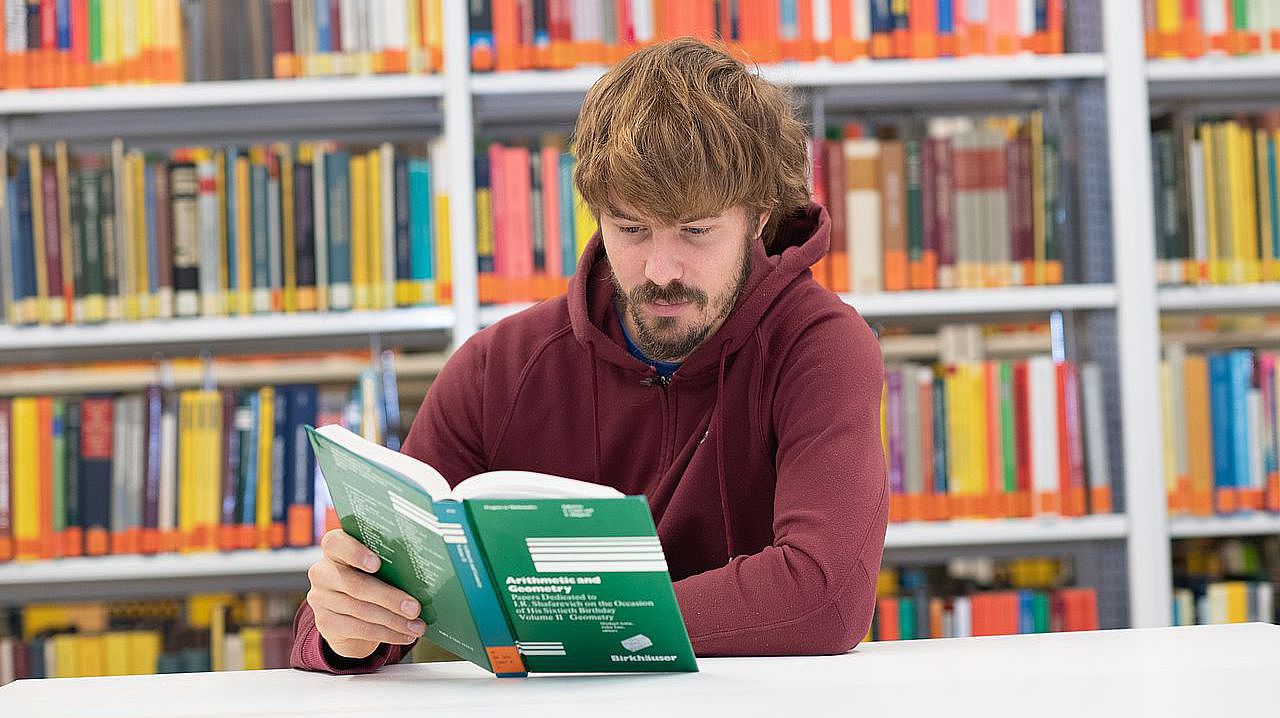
<point x="1257" y="524"/>
<point x="464" y="105"/>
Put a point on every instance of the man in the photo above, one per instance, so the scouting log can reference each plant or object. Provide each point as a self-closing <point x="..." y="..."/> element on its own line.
<point x="694" y="360"/>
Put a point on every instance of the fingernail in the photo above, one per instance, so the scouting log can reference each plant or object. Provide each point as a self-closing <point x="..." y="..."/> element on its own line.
<point x="371" y="562"/>
<point x="417" y="627"/>
<point x="409" y="608"/>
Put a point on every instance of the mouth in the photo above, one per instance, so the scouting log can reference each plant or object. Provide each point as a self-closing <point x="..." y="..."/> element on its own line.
<point x="667" y="309"/>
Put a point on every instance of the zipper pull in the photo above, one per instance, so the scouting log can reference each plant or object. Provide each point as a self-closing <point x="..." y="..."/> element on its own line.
<point x="656" y="380"/>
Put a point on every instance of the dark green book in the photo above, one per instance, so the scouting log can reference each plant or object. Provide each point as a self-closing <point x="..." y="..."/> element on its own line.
<point x="516" y="571"/>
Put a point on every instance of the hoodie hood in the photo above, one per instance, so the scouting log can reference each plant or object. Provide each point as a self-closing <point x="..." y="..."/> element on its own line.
<point x="800" y="242"/>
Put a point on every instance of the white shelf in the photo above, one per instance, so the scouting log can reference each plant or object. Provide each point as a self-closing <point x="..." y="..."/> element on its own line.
<point x="225" y="329"/>
<point x="1012" y="300"/>
<point x="1006" y="531"/>
<point x="238" y="93"/>
<point x="1217" y="68"/>
<point x="1254" y="524"/>
<point x="969" y="70"/>
<point x="176" y="567"/>
<point x="1243" y="296"/>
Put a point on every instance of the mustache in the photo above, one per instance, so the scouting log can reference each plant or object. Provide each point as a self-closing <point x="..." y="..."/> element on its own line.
<point x="672" y="293"/>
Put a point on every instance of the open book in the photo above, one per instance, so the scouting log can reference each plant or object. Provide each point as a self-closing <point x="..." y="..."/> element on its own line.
<point x="516" y="571"/>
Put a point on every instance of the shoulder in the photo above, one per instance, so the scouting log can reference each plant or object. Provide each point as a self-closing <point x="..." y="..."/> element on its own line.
<point x="811" y="323"/>
<point x="518" y="339"/>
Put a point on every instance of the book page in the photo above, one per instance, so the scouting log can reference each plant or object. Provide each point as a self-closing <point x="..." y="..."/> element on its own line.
<point x="410" y="468"/>
<point x="529" y="485"/>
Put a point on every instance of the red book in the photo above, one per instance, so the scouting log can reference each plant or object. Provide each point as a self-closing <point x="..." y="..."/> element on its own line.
<point x="842" y="46"/>
<point x="923" y="25"/>
<point x="1070" y="456"/>
<point x="925" y="510"/>
<point x="506" y="34"/>
<point x="806" y="47"/>
<point x="944" y="210"/>
<point x="1022" y="440"/>
<point x="6" y="479"/>
<point x="519" y="174"/>
<point x="626" y="32"/>
<point x="1055" y="44"/>
<point x="79" y="43"/>
<point x="887" y="619"/>
<point x="1021" y="211"/>
<point x="821" y="269"/>
<point x="284" y="63"/>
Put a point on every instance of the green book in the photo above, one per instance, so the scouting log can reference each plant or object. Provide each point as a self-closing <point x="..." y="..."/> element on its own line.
<point x="516" y="571"/>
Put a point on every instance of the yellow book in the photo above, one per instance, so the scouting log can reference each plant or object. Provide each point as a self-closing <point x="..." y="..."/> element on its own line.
<point x="484" y="242"/>
<point x="1208" y="147"/>
<point x="287" y="229"/>
<point x="217" y="637"/>
<point x="144" y="652"/>
<point x="65" y="652"/>
<point x="417" y="48"/>
<point x="435" y="34"/>
<point x="373" y="240"/>
<point x="884" y="420"/>
<point x="958" y="454"/>
<point x="186" y="469"/>
<point x="111" y="49"/>
<point x="440" y="209"/>
<point x="126" y="221"/>
<point x="584" y="223"/>
<point x="36" y="165"/>
<point x="1237" y="602"/>
<point x="146" y="38"/>
<point x="115" y="648"/>
<point x="253" y="657"/>
<point x="977" y="409"/>
<point x="1233" y="202"/>
<point x="1199" y="438"/>
<point x="92" y="655"/>
<point x="244" y="243"/>
<point x="25" y="475"/>
<point x="211" y="465"/>
<point x="1262" y="199"/>
<point x="128" y="28"/>
<point x="1167" y="424"/>
<point x="360" y="230"/>
<point x="1247" y="239"/>
<point x="1168" y="28"/>
<point x="266" y="434"/>
<point x="75" y="310"/>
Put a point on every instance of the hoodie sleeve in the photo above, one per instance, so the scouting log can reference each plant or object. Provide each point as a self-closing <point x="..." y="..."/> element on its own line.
<point x="446" y="435"/>
<point x="813" y="590"/>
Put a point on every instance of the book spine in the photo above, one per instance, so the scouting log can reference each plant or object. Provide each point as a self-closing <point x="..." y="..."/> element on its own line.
<point x="6" y="481"/>
<point x="303" y="408"/>
<point x="228" y="538"/>
<point x="277" y="479"/>
<point x="153" y="404"/>
<point x="468" y="558"/>
<point x="305" y="233"/>
<point x="338" y="228"/>
<point x="403" y="276"/>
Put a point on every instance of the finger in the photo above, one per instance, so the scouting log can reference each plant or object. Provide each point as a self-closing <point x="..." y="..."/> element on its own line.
<point x="367" y="588"/>
<point x="337" y="627"/>
<point x="343" y="548"/>
<point x="365" y="611"/>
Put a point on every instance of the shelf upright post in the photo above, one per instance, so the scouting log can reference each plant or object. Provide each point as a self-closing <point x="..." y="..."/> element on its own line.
<point x="459" y="139"/>
<point x="1137" y="324"/>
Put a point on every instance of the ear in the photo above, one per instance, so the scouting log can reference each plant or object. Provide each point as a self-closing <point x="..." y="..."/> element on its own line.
<point x="761" y="223"/>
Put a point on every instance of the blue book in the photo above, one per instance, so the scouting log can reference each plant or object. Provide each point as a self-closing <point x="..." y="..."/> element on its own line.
<point x="247" y="420"/>
<point x="480" y="39"/>
<point x="1220" y="401"/>
<point x="300" y="458"/>
<point x="62" y="18"/>
<point x="280" y="436"/>
<point x="421" y="227"/>
<point x="337" y="179"/>
<point x="24" y="259"/>
<point x="1042" y="17"/>
<point x="233" y="232"/>
<point x="1241" y="382"/>
<point x="881" y="17"/>
<point x="946" y="18"/>
<point x="149" y="221"/>
<point x="324" y="33"/>
<point x="1026" y="611"/>
<point x="17" y="287"/>
<point x="568" y="232"/>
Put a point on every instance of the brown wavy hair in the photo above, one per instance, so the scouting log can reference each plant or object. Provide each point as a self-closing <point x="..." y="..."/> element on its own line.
<point x="683" y="130"/>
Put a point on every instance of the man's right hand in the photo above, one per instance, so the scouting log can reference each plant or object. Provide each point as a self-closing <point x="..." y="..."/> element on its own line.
<point x="354" y="610"/>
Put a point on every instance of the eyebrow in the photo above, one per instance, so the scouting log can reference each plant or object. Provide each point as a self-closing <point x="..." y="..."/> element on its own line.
<point x="625" y="218"/>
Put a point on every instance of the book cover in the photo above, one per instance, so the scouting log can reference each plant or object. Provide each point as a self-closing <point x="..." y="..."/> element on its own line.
<point x="560" y="579"/>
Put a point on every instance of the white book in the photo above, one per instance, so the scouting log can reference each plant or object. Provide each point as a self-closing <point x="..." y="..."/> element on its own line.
<point x="1213" y="18"/>
<point x="1097" y="442"/>
<point x="1042" y="391"/>
<point x="962" y="617"/>
<point x="822" y="21"/>
<point x="395" y="26"/>
<point x="862" y="208"/>
<point x="50" y="651"/>
<point x="861" y="21"/>
<point x="1257" y="470"/>
<point x="642" y="19"/>
<point x="948" y="624"/>
<point x="210" y="273"/>
<point x="1273" y="12"/>
<point x="119" y="466"/>
<point x="166" y="516"/>
<point x="15" y="12"/>
<point x="233" y="652"/>
<point x="1265" y="601"/>
<point x="320" y="222"/>
<point x="8" y="672"/>
<point x="1026" y="20"/>
<point x="388" y="208"/>
<point x="1199" y="216"/>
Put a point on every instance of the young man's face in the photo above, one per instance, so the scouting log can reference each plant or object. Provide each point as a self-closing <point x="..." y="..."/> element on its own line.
<point x="675" y="284"/>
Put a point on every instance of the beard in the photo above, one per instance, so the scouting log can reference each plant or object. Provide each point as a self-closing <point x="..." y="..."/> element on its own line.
<point x="661" y="338"/>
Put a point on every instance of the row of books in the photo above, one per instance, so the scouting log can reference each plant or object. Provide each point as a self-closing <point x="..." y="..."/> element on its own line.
<point x="959" y="202"/>
<point x="1217" y="199"/>
<point x="1228" y="580"/>
<point x="995" y="439"/>
<point x="1225" y="602"/>
<point x="1221" y="439"/>
<point x="187" y="471"/>
<point x="201" y="231"/>
<point x="1192" y="28"/>
<point x="199" y="633"/>
<point x="514" y="35"/>
<point x="80" y="43"/>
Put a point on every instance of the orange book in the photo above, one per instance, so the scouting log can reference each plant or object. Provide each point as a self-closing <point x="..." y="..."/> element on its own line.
<point x="1002" y="18"/>
<point x="923" y="22"/>
<point x="506" y="34"/>
<point x="841" y="46"/>
<point x="976" y="38"/>
<point x="900" y="37"/>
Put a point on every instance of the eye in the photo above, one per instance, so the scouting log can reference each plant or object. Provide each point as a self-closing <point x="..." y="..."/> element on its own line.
<point x="697" y="231"/>
<point x="630" y="229"/>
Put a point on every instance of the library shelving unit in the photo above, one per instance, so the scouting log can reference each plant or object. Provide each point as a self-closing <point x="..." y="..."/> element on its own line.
<point x="1217" y="298"/>
<point x="1257" y="524"/>
<point x="1120" y="304"/>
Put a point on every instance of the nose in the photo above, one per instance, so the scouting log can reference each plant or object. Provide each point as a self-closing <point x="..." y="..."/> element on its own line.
<point x="663" y="264"/>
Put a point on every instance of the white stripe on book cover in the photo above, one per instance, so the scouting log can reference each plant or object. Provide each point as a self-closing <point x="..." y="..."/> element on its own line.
<point x="451" y="533"/>
<point x="596" y="553"/>
<point x="540" y="648"/>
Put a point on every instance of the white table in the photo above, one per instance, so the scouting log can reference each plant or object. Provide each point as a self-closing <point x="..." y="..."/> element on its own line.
<point x="1198" y="671"/>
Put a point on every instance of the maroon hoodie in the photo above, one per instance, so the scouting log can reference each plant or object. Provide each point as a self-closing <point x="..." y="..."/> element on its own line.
<point x="762" y="459"/>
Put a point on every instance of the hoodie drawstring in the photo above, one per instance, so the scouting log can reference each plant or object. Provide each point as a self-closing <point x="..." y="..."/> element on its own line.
<point x="595" y="412"/>
<point x="724" y="488"/>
